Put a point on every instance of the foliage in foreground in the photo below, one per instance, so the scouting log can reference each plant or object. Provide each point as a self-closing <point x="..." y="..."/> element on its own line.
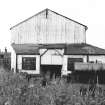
<point x="16" y="90"/>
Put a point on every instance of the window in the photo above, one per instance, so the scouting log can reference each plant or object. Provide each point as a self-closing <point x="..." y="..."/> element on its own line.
<point x="29" y="63"/>
<point x="71" y="62"/>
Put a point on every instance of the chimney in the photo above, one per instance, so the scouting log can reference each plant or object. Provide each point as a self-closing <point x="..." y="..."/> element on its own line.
<point x="5" y="50"/>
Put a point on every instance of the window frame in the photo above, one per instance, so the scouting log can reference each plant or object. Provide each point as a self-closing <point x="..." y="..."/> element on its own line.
<point x="71" y="67"/>
<point x="33" y="62"/>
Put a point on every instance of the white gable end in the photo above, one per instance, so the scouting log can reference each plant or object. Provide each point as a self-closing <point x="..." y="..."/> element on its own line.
<point x="48" y="27"/>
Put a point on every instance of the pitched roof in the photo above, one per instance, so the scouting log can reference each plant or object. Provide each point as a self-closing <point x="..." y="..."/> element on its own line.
<point x="70" y="49"/>
<point x="53" y="46"/>
<point x="47" y="10"/>
<point x="25" y="48"/>
<point x="76" y="49"/>
<point x="83" y="49"/>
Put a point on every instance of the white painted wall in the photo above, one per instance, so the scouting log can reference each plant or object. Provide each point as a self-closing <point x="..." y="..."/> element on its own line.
<point x="100" y="58"/>
<point x="19" y="64"/>
<point x="65" y="62"/>
<point x="54" y="29"/>
<point x="52" y="57"/>
<point x="13" y="60"/>
<point x="64" y="67"/>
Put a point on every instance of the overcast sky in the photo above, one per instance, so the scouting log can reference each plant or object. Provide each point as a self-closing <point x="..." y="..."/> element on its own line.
<point x="87" y="12"/>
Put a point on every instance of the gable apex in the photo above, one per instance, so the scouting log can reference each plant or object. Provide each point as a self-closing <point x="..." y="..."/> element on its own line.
<point x="47" y="11"/>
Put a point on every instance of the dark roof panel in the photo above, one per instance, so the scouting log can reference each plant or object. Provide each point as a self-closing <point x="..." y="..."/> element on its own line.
<point x="25" y="48"/>
<point x="70" y="49"/>
<point x="83" y="49"/>
<point x="53" y="46"/>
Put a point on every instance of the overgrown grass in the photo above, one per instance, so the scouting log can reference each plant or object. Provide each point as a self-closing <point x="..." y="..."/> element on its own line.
<point x="15" y="89"/>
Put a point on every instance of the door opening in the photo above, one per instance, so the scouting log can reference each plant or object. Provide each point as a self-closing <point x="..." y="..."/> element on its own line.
<point x="51" y="70"/>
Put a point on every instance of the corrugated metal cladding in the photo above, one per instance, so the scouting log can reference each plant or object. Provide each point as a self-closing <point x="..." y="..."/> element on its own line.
<point x="51" y="29"/>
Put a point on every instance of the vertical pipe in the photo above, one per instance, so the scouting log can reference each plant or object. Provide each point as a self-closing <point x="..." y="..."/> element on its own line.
<point x="87" y="58"/>
<point x="16" y="63"/>
<point x="40" y="64"/>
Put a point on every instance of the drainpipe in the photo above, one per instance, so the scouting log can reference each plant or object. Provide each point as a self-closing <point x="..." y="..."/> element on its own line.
<point x="39" y="63"/>
<point x="16" y="64"/>
<point x="87" y="57"/>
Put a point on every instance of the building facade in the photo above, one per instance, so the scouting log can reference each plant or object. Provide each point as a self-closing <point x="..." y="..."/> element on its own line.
<point x="49" y="41"/>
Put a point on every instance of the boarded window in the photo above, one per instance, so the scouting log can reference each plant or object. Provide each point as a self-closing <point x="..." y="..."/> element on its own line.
<point x="29" y="63"/>
<point x="71" y="62"/>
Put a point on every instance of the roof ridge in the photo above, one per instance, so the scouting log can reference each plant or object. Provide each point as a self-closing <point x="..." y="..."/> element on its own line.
<point x="47" y="9"/>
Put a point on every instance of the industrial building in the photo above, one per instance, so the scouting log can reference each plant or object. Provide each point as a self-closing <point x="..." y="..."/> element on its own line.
<point x="49" y="41"/>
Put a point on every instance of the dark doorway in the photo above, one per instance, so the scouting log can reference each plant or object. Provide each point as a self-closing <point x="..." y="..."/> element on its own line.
<point x="52" y="70"/>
